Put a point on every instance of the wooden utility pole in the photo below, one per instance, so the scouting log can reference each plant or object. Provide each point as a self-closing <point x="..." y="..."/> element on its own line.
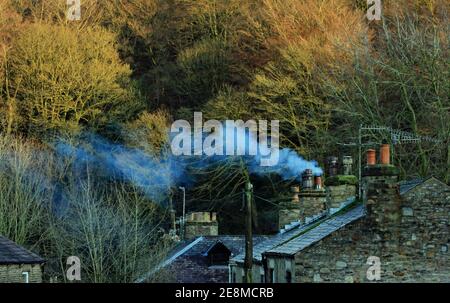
<point x="248" y="262"/>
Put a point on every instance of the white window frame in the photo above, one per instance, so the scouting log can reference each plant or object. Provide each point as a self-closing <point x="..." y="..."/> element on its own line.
<point x="26" y="276"/>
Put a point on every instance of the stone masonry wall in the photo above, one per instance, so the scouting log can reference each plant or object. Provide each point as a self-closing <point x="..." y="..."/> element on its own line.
<point x="289" y="213"/>
<point x="425" y="223"/>
<point x="194" y="229"/>
<point x="312" y="203"/>
<point x="336" y="194"/>
<point x="13" y="273"/>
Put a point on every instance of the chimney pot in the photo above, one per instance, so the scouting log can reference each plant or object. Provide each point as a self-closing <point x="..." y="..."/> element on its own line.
<point x="347" y="162"/>
<point x="385" y="154"/>
<point x="318" y="182"/>
<point x="307" y="179"/>
<point x="333" y="166"/>
<point x="371" y="157"/>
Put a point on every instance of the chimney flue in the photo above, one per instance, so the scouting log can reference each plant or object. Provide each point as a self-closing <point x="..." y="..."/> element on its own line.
<point x="333" y="166"/>
<point x="385" y="154"/>
<point x="347" y="163"/>
<point x="307" y="179"/>
<point x="371" y="157"/>
<point x="318" y="182"/>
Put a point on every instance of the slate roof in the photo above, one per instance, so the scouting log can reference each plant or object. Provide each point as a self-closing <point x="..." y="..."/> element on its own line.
<point x="11" y="253"/>
<point x="189" y="262"/>
<point x="236" y="244"/>
<point x="270" y="243"/>
<point x="282" y="238"/>
<point x="319" y="232"/>
<point x="406" y="186"/>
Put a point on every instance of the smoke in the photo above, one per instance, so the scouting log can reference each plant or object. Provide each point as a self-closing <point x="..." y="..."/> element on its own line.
<point x="156" y="175"/>
<point x="251" y="145"/>
<point x="290" y="166"/>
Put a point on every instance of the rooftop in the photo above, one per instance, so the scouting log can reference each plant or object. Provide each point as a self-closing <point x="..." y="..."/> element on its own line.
<point x="406" y="186"/>
<point x="236" y="244"/>
<point x="12" y="253"/>
<point x="189" y="261"/>
<point x="282" y="238"/>
<point x="318" y="232"/>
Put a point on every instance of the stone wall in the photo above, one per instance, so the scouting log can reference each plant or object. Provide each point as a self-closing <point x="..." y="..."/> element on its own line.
<point x="312" y="203"/>
<point x="13" y="273"/>
<point x="201" y="224"/>
<point x="341" y="257"/>
<point x="425" y="223"/>
<point x="288" y="213"/>
<point x="195" y="229"/>
<point x="336" y="194"/>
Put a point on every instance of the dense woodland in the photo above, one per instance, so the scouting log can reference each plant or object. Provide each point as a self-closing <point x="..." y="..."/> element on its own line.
<point x="129" y="68"/>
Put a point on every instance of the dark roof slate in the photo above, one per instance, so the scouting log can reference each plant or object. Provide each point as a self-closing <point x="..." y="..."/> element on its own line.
<point x="12" y="253"/>
<point x="235" y="244"/>
<point x="406" y="186"/>
<point x="319" y="232"/>
<point x="279" y="239"/>
<point x="189" y="262"/>
<point x="272" y="242"/>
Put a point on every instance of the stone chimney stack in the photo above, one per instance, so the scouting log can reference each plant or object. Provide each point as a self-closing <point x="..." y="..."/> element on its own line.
<point x="306" y="203"/>
<point x="313" y="197"/>
<point x="290" y="210"/>
<point x="341" y="188"/>
<point x="381" y="190"/>
<point x="201" y="224"/>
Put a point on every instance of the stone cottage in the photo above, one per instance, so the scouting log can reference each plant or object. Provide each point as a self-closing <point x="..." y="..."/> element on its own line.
<point x="399" y="234"/>
<point x="18" y="265"/>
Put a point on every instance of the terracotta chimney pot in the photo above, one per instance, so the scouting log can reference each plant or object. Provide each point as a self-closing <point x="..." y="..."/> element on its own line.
<point x="318" y="182"/>
<point x="371" y="157"/>
<point x="385" y="154"/>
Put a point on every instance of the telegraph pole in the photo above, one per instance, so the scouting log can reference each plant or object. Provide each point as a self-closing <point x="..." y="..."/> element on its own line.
<point x="183" y="232"/>
<point x="248" y="262"/>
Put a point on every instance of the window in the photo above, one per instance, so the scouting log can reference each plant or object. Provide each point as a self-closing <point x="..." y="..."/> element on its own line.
<point x="288" y="276"/>
<point x="262" y="278"/>
<point x="26" y="277"/>
<point x="233" y="279"/>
